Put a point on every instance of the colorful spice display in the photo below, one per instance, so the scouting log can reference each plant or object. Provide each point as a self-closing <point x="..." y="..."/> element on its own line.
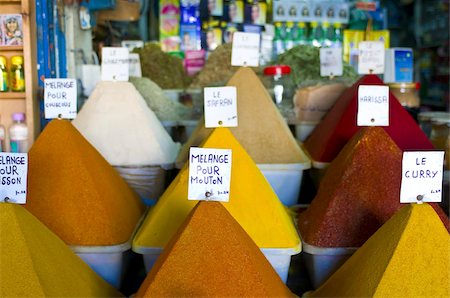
<point x="252" y="203"/>
<point x="360" y="191"/>
<point x="339" y="125"/>
<point x="409" y="256"/>
<point x="75" y="192"/>
<point x="35" y="263"/>
<point x="261" y="130"/>
<point x="118" y="123"/>
<point x="212" y="256"/>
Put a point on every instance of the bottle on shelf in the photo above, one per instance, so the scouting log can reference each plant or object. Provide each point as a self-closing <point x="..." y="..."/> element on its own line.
<point x="302" y="36"/>
<point x="2" y="138"/>
<point x="17" y="74"/>
<point x="316" y="36"/>
<point x="289" y="36"/>
<point x="338" y="37"/>
<point x="3" y="75"/>
<point x="328" y="35"/>
<point x="278" y="44"/>
<point x="18" y="134"/>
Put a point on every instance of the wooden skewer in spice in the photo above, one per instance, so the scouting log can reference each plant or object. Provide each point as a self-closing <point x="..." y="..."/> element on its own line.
<point x="75" y="192"/>
<point x="360" y="191"/>
<point x="212" y="256"/>
<point x="35" y="262"/>
<point x="409" y="256"/>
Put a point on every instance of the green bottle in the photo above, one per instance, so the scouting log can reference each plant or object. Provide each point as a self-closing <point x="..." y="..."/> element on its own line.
<point x="329" y="35"/>
<point x="302" y="36"/>
<point x="278" y="44"/>
<point x="338" y="37"/>
<point x="3" y="75"/>
<point x="289" y="36"/>
<point x="316" y="36"/>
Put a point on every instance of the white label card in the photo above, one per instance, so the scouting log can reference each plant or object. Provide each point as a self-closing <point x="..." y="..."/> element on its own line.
<point x="13" y="177"/>
<point x="371" y="57"/>
<point x="220" y="107"/>
<point x="135" y="65"/>
<point x="245" y="51"/>
<point x="115" y="64"/>
<point x="331" y="62"/>
<point x="209" y="174"/>
<point x="60" y="98"/>
<point x="373" y="105"/>
<point x="422" y="173"/>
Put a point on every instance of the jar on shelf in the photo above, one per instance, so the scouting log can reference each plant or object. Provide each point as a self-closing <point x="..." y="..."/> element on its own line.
<point x="281" y="87"/>
<point x="3" y="75"/>
<point x="426" y="119"/>
<point x="17" y="74"/>
<point x="408" y="96"/>
<point x="440" y="134"/>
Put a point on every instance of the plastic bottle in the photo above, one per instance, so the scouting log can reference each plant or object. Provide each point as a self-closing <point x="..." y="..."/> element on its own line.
<point x="338" y="37"/>
<point x="329" y="35"/>
<point x="302" y="36"/>
<point x="2" y="138"/>
<point x="3" y="75"/>
<point x="289" y="36"/>
<point x="278" y="39"/>
<point x="17" y="74"/>
<point x="18" y="134"/>
<point x="316" y="35"/>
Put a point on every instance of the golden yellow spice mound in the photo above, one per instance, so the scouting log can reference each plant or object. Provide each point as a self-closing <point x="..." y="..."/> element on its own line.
<point x="35" y="262"/>
<point x="75" y="192"/>
<point x="409" y="256"/>
<point x="261" y="130"/>
<point x="252" y="203"/>
<point x="212" y="256"/>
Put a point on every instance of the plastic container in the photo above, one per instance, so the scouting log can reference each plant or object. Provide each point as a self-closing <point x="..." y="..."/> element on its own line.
<point x="318" y="170"/>
<point x="304" y="128"/>
<point x="425" y="120"/>
<point x="18" y="134"/>
<point x="285" y="179"/>
<point x="322" y="262"/>
<point x="17" y="82"/>
<point x="279" y="258"/>
<point x="2" y="138"/>
<point x="148" y="181"/>
<point x="280" y="83"/>
<point x="3" y="75"/>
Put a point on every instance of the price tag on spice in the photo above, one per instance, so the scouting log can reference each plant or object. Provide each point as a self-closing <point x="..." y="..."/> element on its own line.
<point x="13" y="177"/>
<point x="371" y="57"/>
<point x="373" y="105"/>
<point x="115" y="64"/>
<point x="422" y="173"/>
<point x="220" y="107"/>
<point x="135" y="65"/>
<point x="60" y="98"/>
<point x="331" y="62"/>
<point x="245" y="50"/>
<point x="209" y="174"/>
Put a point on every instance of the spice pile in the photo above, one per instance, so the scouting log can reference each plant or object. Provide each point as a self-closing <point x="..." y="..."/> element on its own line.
<point x="252" y="203"/>
<point x="212" y="256"/>
<point x="164" y="108"/>
<point x="75" y="192"/>
<point x="162" y="68"/>
<point x="261" y="130"/>
<point x="360" y="191"/>
<point x="409" y="256"/>
<point x="35" y="263"/>
<point x="120" y="125"/>
<point x="339" y="125"/>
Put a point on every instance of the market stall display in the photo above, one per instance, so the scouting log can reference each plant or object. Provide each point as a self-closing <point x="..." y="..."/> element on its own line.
<point x="409" y="256"/>
<point x="212" y="255"/>
<point x="35" y="262"/>
<point x="252" y="203"/>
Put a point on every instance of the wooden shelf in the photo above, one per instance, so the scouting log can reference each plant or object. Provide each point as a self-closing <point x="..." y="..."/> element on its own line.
<point x="10" y="1"/>
<point x="10" y="48"/>
<point x="12" y="95"/>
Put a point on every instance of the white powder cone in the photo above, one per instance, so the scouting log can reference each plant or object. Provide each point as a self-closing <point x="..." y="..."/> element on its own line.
<point x="118" y="123"/>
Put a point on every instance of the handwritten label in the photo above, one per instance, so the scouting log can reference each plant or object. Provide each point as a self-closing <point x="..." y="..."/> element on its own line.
<point x="245" y="50"/>
<point x="331" y="62"/>
<point x="13" y="177"/>
<point x="115" y="64"/>
<point x="60" y="98"/>
<point x="135" y="65"/>
<point x="422" y="173"/>
<point x="220" y="107"/>
<point x="209" y="174"/>
<point x="373" y="105"/>
<point x="371" y="57"/>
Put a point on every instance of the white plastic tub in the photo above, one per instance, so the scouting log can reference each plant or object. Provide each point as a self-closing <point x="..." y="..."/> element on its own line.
<point x="285" y="179"/>
<point x="279" y="258"/>
<point x="321" y="262"/>
<point x="303" y="129"/>
<point x="106" y="261"/>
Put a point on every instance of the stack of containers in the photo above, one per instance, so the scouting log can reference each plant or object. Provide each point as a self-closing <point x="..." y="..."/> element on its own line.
<point x="252" y="203"/>
<point x="75" y="192"/>
<point x="339" y="125"/>
<point x="264" y="134"/>
<point x="409" y="256"/>
<point x="35" y="263"/>
<point x="212" y="256"/>
<point x="359" y="192"/>
<point x="119" y="124"/>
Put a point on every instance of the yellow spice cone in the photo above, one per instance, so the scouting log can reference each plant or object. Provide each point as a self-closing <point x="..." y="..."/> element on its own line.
<point x="35" y="262"/>
<point x="212" y="256"/>
<point x="409" y="256"/>
<point x="252" y="203"/>
<point x="262" y="131"/>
